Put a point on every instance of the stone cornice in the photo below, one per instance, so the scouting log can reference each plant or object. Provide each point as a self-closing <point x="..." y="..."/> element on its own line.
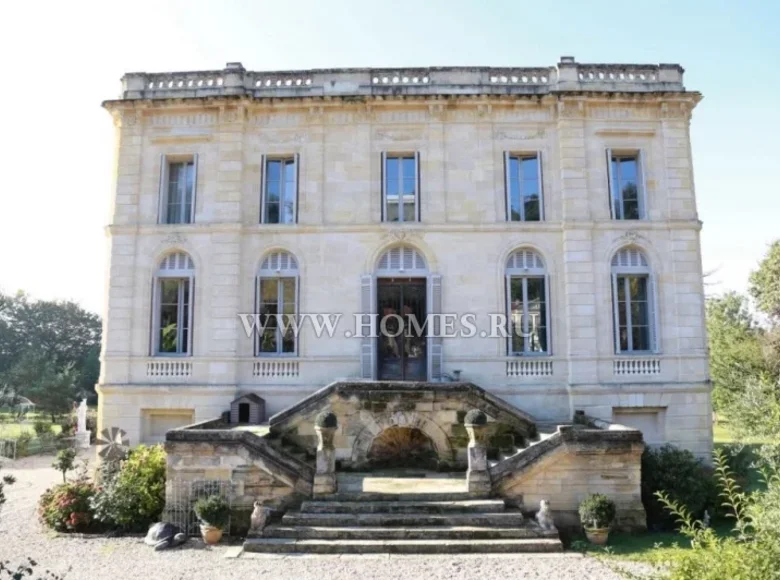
<point x="627" y="228"/>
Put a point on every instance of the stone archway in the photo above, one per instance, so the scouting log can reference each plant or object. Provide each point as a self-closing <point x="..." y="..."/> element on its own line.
<point x="402" y="447"/>
<point x="375" y="424"/>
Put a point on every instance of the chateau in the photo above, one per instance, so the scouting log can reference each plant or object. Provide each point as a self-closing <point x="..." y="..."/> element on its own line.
<point x="555" y="206"/>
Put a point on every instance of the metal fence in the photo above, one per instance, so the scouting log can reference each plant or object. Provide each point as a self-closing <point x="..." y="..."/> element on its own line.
<point x="182" y="497"/>
<point x="22" y="447"/>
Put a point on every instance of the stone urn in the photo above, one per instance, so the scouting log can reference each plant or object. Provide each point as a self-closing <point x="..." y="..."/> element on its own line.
<point x="210" y="534"/>
<point x="597" y="536"/>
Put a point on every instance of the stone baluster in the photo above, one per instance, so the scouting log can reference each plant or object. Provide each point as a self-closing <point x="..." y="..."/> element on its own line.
<point x="478" y="476"/>
<point x="325" y="426"/>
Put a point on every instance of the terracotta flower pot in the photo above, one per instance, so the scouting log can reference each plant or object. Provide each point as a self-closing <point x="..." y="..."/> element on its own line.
<point x="597" y="536"/>
<point x="211" y="535"/>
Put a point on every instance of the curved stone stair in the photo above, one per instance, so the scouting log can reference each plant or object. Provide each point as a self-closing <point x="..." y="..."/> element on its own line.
<point x="336" y="525"/>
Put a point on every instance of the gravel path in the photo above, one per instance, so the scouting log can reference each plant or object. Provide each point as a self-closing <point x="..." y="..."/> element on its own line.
<point x="97" y="557"/>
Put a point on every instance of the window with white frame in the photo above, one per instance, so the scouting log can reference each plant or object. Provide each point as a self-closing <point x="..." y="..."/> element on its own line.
<point x="626" y="186"/>
<point x="173" y="306"/>
<point x="524" y="202"/>
<point x="178" y="182"/>
<point x="277" y="299"/>
<point x="528" y="301"/>
<point x="280" y="190"/>
<point x="401" y="187"/>
<point x="633" y="301"/>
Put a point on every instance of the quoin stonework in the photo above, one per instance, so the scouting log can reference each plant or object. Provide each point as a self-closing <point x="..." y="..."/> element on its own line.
<point x="560" y="198"/>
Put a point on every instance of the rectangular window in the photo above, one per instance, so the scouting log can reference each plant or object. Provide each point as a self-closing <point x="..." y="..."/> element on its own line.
<point x="178" y="184"/>
<point x="174" y="303"/>
<point x="528" y="314"/>
<point x="277" y="299"/>
<point x="400" y="195"/>
<point x="633" y="313"/>
<point x="626" y="193"/>
<point x="524" y="187"/>
<point x="280" y="191"/>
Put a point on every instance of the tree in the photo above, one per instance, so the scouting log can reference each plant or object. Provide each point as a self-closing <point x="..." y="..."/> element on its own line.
<point x="736" y="350"/>
<point x="61" y="332"/>
<point x="37" y="377"/>
<point x="764" y="284"/>
<point x="65" y="462"/>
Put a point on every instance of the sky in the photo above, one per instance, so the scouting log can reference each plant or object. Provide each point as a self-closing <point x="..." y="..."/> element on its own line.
<point x="61" y="60"/>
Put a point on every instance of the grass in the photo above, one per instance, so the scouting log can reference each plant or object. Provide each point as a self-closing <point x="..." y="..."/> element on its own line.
<point x="10" y="428"/>
<point x="648" y="547"/>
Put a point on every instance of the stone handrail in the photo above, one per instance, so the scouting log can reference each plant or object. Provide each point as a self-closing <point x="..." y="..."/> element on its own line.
<point x="566" y="434"/>
<point x="235" y="80"/>
<point x="476" y="396"/>
<point x="288" y="468"/>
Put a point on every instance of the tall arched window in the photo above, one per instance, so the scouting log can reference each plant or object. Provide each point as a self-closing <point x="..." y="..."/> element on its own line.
<point x="173" y="298"/>
<point x="527" y="304"/>
<point x="277" y="299"/>
<point x="633" y="302"/>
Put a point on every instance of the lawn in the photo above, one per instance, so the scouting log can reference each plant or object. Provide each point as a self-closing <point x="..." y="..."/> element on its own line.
<point x="10" y="428"/>
<point x="647" y="547"/>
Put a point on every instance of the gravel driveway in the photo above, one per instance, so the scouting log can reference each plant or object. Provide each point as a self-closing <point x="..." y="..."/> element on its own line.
<point x="97" y="557"/>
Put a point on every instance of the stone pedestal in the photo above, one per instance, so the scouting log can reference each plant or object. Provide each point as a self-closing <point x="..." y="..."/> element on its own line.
<point x="325" y="473"/>
<point x="477" y="476"/>
<point x="82" y="439"/>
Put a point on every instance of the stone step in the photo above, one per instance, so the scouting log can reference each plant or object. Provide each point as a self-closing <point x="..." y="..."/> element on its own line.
<point x="291" y="545"/>
<point x="395" y="507"/>
<point x="504" y="519"/>
<point x="369" y="496"/>
<point x="527" y="531"/>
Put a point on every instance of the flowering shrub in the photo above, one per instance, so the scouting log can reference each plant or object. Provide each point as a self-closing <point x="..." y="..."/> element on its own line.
<point x="67" y="507"/>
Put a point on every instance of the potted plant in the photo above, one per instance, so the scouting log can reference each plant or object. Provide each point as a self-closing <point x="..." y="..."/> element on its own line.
<point x="597" y="512"/>
<point x="214" y="515"/>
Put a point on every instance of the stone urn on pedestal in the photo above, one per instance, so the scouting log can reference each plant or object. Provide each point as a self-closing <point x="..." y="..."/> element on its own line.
<point x="477" y="476"/>
<point x="325" y="425"/>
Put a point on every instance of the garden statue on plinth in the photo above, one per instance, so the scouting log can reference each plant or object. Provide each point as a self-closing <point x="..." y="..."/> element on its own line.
<point x="82" y="433"/>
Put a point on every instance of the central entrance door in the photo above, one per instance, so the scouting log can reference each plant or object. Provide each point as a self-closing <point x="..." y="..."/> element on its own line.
<point x="401" y="345"/>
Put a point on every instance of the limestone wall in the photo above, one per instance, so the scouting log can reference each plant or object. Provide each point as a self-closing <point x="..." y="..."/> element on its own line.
<point x="463" y="236"/>
<point x="589" y="462"/>
<point x="191" y="464"/>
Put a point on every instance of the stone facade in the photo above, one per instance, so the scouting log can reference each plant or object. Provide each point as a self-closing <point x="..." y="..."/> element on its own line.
<point x="461" y="122"/>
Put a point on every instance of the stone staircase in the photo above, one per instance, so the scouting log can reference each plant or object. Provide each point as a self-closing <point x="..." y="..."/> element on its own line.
<point x="422" y="522"/>
<point x="544" y="433"/>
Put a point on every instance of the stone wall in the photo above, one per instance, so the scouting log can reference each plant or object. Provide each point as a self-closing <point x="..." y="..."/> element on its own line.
<point x="580" y="463"/>
<point x="211" y="452"/>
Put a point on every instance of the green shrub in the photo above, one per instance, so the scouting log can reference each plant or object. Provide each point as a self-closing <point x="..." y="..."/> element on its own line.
<point x="213" y="511"/>
<point x="751" y="553"/>
<point x="67" y="507"/>
<point x="597" y="511"/>
<point x="42" y="428"/>
<point x="134" y="496"/>
<point x="23" y="444"/>
<point x="681" y="476"/>
<point x="67" y="426"/>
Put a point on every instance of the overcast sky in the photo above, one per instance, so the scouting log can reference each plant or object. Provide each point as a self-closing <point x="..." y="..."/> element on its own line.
<point x="60" y="60"/>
